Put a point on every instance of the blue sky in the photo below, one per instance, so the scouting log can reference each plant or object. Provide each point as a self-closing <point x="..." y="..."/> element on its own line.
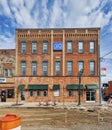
<point x="58" y="14"/>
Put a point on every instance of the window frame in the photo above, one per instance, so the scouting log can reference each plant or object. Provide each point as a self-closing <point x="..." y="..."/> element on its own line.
<point x="57" y="93"/>
<point x="23" y="68"/>
<point x="69" y="47"/>
<point x="45" y="47"/>
<point x="45" y="73"/>
<point x="79" y="68"/>
<point x="91" y="94"/>
<point x="31" y="93"/>
<point x="34" y="47"/>
<point x="57" y="71"/>
<point x="70" y="91"/>
<point x="45" y="93"/>
<point x="34" y="67"/>
<point x="92" y="47"/>
<point x="69" y="72"/>
<point x="38" y="93"/>
<point x="81" y="46"/>
<point x="92" y="71"/>
<point x="23" y="47"/>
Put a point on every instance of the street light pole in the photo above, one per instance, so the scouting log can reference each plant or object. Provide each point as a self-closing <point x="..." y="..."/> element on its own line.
<point x="79" y="91"/>
<point x="79" y="75"/>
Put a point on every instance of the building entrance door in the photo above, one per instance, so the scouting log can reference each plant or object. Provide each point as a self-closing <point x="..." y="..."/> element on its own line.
<point x="3" y="96"/>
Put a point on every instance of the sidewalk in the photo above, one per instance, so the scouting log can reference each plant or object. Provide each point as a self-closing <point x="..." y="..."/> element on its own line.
<point x="72" y="105"/>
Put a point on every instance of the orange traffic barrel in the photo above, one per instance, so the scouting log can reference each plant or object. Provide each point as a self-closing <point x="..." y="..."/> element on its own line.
<point x="10" y="122"/>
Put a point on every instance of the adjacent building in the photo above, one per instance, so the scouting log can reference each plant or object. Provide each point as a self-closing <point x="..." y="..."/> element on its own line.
<point x="7" y="73"/>
<point x="48" y="62"/>
<point x="107" y="89"/>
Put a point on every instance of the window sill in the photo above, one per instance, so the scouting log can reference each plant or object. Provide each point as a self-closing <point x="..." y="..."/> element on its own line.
<point x="34" y="53"/>
<point x="91" y="52"/>
<point x="92" y="75"/>
<point x="80" y="52"/>
<point x="69" y="52"/>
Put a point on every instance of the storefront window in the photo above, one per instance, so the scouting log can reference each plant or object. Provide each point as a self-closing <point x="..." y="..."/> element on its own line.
<point x="56" y="93"/>
<point x="90" y="95"/>
<point x="10" y="93"/>
<point x="38" y="93"/>
<point x="44" y="93"/>
<point x="31" y="93"/>
<point x="70" y="93"/>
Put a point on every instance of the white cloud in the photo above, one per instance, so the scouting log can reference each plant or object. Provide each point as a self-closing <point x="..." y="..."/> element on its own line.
<point x="6" y="42"/>
<point x="29" y="4"/>
<point x="21" y="10"/>
<point x="80" y="13"/>
<point x="5" y="8"/>
<point x="56" y="14"/>
<point x="45" y="13"/>
<point x="67" y="13"/>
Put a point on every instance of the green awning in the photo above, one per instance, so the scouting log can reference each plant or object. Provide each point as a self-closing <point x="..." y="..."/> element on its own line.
<point x="74" y="86"/>
<point x="37" y="87"/>
<point x="56" y="87"/>
<point x="21" y="87"/>
<point x="91" y="86"/>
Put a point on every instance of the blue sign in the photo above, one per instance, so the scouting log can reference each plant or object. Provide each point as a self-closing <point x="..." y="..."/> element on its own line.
<point x="57" y="46"/>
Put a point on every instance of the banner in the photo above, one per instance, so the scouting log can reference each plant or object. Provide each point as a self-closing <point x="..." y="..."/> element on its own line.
<point x="57" y="46"/>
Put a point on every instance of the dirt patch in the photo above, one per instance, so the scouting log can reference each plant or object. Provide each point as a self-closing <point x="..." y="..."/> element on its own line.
<point x="48" y="119"/>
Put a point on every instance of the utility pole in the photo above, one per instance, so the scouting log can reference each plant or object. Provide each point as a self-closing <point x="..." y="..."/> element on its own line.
<point x="100" y="60"/>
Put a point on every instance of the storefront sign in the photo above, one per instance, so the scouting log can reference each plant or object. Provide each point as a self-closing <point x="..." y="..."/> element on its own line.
<point x="2" y="80"/>
<point x="57" y="46"/>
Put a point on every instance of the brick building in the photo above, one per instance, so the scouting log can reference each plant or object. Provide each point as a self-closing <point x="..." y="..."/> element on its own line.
<point x="48" y="62"/>
<point x="7" y="73"/>
<point x="108" y="89"/>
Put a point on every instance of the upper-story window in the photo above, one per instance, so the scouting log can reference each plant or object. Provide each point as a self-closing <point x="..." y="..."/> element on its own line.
<point x="57" y="67"/>
<point x="69" y="68"/>
<point x="23" y="68"/>
<point x="23" y="47"/>
<point x="91" y="46"/>
<point x="80" y="46"/>
<point x="80" y="65"/>
<point x="69" y="47"/>
<point x="92" y="67"/>
<point x="34" y="47"/>
<point x="34" y="68"/>
<point x="45" y="67"/>
<point x="45" y="47"/>
<point x="8" y="73"/>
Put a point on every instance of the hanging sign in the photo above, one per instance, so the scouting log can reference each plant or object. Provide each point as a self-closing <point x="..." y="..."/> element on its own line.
<point x="2" y="80"/>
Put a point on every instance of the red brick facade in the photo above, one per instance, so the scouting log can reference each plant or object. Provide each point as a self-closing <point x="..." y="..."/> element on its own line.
<point x="63" y="79"/>
<point x="108" y="91"/>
